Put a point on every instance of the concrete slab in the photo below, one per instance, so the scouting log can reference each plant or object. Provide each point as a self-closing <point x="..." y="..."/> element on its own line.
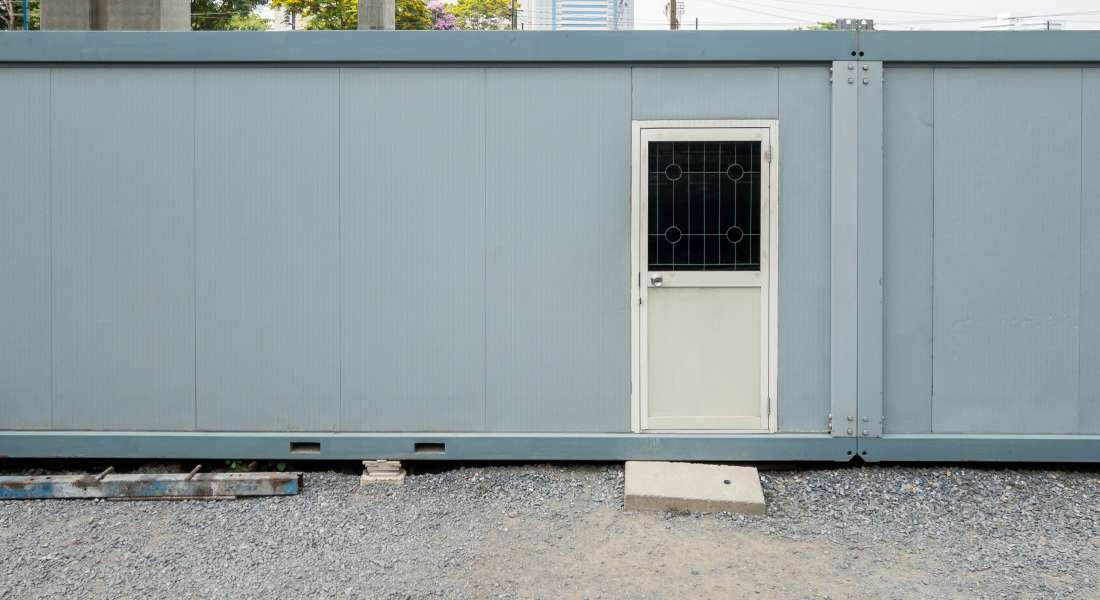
<point x="388" y="472"/>
<point x="678" y="486"/>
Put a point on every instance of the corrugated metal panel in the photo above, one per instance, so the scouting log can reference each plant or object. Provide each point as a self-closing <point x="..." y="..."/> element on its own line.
<point x="123" y="249"/>
<point x="413" y="249"/>
<point x="558" y="263"/>
<point x="705" y="93"/>
<point x="1008" y="251"/>
<point x="1090" y="256"/>
<point x="804" y="100"/>
<point x="25" y="250"/>
<point x="907" y="251"/>
<point x="268" y="249"/>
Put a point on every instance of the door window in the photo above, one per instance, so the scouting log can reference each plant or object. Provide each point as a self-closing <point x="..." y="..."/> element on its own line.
<point x="704" y="212"/>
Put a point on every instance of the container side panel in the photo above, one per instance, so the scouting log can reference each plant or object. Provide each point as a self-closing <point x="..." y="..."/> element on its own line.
<point x="268" y="249"/>
<point x="1090" y="257"/>
<point x="804" y="100"/>
<point x="1007" y="250"/>
<point x="25" y="250"/>
<point x="705" y="93"/>
<point x="558" y="249"/>
<point x="413" y="249"/>
<point x="123" y="248"/>
<point x="907" y="251"/>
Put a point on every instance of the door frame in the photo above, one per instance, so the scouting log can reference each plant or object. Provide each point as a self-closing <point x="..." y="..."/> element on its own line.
<point x="769" y="257"/>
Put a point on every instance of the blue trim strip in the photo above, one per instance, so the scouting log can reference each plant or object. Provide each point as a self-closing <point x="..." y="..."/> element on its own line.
<point x="981" y="448"/>
<point x="423" y="47"/>
<point x="545" y="47"/>
<point x="351" y="446"/>
<point x="980" y="46"/>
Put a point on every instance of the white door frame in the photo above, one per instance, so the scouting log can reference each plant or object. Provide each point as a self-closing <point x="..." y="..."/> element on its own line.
<point x="769" y="264"/>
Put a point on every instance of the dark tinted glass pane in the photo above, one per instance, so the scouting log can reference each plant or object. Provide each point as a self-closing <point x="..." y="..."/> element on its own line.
<point x="704" y="206"/>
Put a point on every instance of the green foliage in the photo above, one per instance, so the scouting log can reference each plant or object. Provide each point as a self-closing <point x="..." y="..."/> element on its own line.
<point x="344" y="14"/>
<point x="822" y="26"/>
<point x="484" y="14"/>
<point x="323" y="14"/>
<point x="225" y="15"/>
<point x="250" y="22"/>
<point x="249" y="466"/>
<point x="240" y="466"/>
<point x="11" y="14"/>
<point x="413" y="14"/>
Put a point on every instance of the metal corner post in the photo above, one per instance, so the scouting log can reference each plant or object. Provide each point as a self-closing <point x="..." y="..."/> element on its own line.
<point x="869" y="362"/>
<point x="869" y="253"/>
<point x="856" y="249"/>
<point x="844" y="250"/>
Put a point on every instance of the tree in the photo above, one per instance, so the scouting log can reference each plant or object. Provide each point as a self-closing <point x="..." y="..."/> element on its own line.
<point x="225" y="15"/>
<point x="442" y="19"/>
<point x="484" y="14"/>
<point x="822" y="26"/>
<point x="344" y="14"/>
<point x="412" y="14"/>
<point x="323" y="14"/>
<point x="249" y="22"/>
<point x="11" y="14"/>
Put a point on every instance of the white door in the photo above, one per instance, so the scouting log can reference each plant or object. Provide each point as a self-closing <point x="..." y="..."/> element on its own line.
<point x="704" y="261"/>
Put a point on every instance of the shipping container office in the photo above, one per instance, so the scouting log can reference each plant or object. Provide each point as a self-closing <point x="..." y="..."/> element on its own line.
<point x="714" y="245"/>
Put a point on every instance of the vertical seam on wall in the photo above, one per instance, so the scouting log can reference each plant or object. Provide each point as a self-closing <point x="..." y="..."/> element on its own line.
<point x="635" y="409"/>
<point x="859" y="153"/>
<point x="484" y="249"/>
<point x="932" y="275"/>
<point x="773" y="267"/>
<point x="339" y="248"/>
<point x="49" y="111"/>
<point x="1080" y="248"/>
<point x="195" y="240"/>
<point x="829" y="127"/>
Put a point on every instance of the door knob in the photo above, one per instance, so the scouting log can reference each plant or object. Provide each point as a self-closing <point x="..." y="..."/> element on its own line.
<point x="656" y="279"/>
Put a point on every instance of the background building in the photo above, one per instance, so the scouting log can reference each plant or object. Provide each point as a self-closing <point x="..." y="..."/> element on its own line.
<point x="578" y="15"/>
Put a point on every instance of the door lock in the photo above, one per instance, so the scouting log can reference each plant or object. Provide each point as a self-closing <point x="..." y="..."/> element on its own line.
<point x="656" y="280"/>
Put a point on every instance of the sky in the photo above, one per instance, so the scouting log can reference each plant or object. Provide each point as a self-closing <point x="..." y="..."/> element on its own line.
<point x="888" y="14"/>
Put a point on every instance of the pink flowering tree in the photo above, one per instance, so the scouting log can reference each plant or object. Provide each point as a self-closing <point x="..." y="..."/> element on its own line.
<point x="442" y="19"/>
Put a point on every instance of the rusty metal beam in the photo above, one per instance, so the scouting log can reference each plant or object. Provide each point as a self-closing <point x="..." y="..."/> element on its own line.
<point x="167" y="485"/>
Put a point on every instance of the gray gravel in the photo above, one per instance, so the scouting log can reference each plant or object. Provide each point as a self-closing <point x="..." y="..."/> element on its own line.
<point x="560" y="530"/>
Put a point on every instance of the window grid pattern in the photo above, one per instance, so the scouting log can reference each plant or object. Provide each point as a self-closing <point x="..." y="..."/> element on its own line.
<point x="704" y="206"/>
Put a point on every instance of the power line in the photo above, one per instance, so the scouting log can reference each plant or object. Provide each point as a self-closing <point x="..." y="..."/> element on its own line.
<point x="814" y="16"/>
<point x="876" y="9"/>
<point x="992" y="18"/>
<point x="760" y="12"/>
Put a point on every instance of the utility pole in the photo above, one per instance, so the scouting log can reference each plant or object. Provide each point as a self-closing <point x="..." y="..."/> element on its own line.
<point x="513" y="15"/>
<point x="673" y="17"/>
<point x="26" y="15"/>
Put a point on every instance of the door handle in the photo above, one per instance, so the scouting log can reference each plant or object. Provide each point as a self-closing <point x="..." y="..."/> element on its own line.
<point x="656" y="280"/>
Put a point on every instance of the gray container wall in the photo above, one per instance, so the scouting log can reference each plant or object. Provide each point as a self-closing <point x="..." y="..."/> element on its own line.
<point x="992" y="251"/>
<point x="426" y="249"/>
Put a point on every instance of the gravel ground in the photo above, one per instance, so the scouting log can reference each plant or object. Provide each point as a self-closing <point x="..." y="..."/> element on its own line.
<point x="550" y="531"/>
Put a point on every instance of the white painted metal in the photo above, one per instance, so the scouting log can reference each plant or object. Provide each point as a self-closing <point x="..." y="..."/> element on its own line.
<point x="698" y="316"/>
